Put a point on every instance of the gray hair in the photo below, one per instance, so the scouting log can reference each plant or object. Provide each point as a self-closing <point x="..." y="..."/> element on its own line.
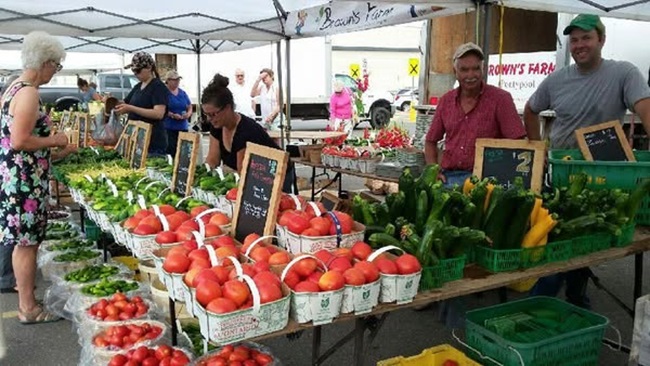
<point x="40" y="47"/>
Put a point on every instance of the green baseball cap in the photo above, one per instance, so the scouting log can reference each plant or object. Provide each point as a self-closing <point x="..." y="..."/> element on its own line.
<point x="586" y="22"/>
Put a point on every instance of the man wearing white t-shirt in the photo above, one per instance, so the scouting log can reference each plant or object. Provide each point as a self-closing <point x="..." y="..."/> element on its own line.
<point x="241" y="95"/>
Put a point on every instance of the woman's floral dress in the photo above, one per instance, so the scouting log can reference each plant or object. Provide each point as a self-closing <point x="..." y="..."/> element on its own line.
<point x="24" y="182"/>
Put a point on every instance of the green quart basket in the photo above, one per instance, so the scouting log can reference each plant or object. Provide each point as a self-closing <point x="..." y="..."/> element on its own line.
<point x="565" y="164"/>
<point x="446" y="270"/>
<point x="626" y="237"/>
<point x="504" y="260"/>
<point x="592" y="243"/>
<point x="92" y="230"/>
<point x="574" y="348"/>
<point x="559" y="250"/>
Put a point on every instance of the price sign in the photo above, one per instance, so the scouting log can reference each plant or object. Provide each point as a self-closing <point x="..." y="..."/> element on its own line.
<point x="140" y="145"/>
<point x="82" y="122"/>
<point x="506" y="159"/>
<point x="258" y="196"/>
<point x="604" y="142"/>
<point x="123" y="144"/>
<point x="185" y="163"/>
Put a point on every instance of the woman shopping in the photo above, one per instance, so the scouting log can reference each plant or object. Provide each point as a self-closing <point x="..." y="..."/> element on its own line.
<point x="179" y="110"/>
<point x="341" y="108"/>
<point x="147" y="101"/>
<point x="267" y="96"/>
<point x="88" y="94"/>
<point x="25" y="144"/>
<point x="230" y="131"/>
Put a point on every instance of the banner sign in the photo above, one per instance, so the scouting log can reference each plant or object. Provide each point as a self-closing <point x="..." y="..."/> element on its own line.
<point x="521" y="73"/>
<point x="343" y="17"/>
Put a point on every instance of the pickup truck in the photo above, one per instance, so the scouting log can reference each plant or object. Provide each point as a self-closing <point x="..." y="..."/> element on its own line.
<point x="64" y="98"/>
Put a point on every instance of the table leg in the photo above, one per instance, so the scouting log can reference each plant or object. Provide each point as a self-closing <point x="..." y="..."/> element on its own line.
<point x="313" y="182"/>
<point x="172" y="319"/>
<point x="359" y="334"/>
<point x="82" y="218"/>
<point x="638" y="276"/>
<point x="315" y="345"/>
<point x="104" y="242"/>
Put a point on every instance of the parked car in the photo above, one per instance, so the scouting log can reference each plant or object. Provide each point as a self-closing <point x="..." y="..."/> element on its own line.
<point x="404" y="97"/>
<point x="64" y="98"/>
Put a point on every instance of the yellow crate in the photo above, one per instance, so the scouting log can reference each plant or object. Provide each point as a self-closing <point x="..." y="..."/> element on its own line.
<point x="435" y="356"/>
<point x="523" y="286"/>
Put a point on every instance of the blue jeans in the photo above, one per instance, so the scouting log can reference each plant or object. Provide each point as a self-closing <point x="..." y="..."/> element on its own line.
<point x="576" y="286"/>
<point x="7" y="279"/>
<point x="455" y="177"/>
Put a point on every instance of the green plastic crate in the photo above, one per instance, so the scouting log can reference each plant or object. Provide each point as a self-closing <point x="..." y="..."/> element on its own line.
<point x="626" y="237"/>
<point x="503" y="260"/>
<point x="592" y="243"/>
<point x="92" y="231"/>
<point x="446" y="270"/>
<point x="575" y="348"/>
<point x="603" y="174"/>
<point x="559" y="250"/>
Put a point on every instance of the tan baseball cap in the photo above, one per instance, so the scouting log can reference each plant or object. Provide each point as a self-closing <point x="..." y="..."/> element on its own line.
<point x="172" y="75"/>
<point x="464" y="49"/>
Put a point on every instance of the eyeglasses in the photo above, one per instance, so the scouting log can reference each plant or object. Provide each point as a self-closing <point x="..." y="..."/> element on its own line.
<point x="240" y="75"/>
<point x="136" y="71"/>
<point x="214" y="114"/>
<point x="58" y="66"/>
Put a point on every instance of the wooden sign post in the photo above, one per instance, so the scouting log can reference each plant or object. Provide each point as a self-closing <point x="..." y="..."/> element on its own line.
<point x="140" y="145"/>
<point x="329" y="201"/>
<point x="185" y="163"/>
<point x="123" y="143"/>
<point x="506" y="159"/>
<point x="66" y="117"/>
<point x="604" y="142"/>
<point x="82" y="125"/>
<point x="258" y="196"/>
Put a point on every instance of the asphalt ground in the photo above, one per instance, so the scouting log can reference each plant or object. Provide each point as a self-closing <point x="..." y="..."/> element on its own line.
<point x="405" y="332"/>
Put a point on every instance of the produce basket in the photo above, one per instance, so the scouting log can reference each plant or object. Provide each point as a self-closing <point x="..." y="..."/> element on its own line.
<point x="626" y="237"/>
<point x="565" y="164"/>
<point x="434" y="356"/>
<point x="592" y="243"/>
<point x="294" y="243"/>
<point x="396" y="288"/>
<point x="503" y="260"/>
<point x="360" y="299"/>
<point x="251" y="345"/>
<point x="571" y="333"/>
<point x="369" y="165"/>
<point x="446" y="270"/>
<point x="559" y="250"/>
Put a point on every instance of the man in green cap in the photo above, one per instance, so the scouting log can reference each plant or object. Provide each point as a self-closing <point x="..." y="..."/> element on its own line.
<point x="587" y="93"/>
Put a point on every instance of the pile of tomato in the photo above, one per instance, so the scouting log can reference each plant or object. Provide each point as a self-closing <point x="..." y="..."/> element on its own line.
<point x="393" y="137"/>
<point x="240" y="355"/>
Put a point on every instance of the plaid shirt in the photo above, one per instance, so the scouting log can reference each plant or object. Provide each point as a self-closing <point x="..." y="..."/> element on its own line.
<point x="494" y="116"/>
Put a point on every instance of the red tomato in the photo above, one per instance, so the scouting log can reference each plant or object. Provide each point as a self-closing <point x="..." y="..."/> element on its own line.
<point x="298" y="224"/>
<point x="236" y="291"/>
<point x="320" y="224"/>
<point x="140" y="354"/>
<point x="386" y="266"/>
<point x="166" y="237"/>
<point x="291" y="278"/>
<point x="150" y="361"/>
<point x="369" y="270"/>
<point x="285" y="217"/>
<point x="266" y="277"/>
<point x="207" y="291"/>
<point x="263" y="359"/>
<point x="269" y="292"/>
<point x="361" y="250"/>
<point x="354" y="277"/>
<point x="221" y="305"/>
<point x="331" y="281"/>
<point x="340" y="264"/>
<point x="118" y="360"/>
<point x="176" y="263"/>
<point x="310" y="232"/>
<point x="225" y="351"/>
<point x="407" y="264"/>
<point x="305" y="267"/>
<point x="231" y="195"/>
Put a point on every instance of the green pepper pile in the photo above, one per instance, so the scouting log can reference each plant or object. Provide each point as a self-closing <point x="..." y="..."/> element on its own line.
<point x="76" y="256"/>
<point x="108" y="287"/>
<point x="91" y="273"/>
<point x="70" y="244"/>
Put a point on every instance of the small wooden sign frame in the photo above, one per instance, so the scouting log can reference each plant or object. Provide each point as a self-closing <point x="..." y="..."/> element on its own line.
<point x="622" y="139"/>
<point x="134" y="143"/>
<point x="538" y="147"/>
<point x="282" y="159"/>
<point x="329" y="199"/>
<point x="65" y="120"/>
<point x="125" y="137"/>
<point x="194" y="138"/>
<point x="82" y="120"/>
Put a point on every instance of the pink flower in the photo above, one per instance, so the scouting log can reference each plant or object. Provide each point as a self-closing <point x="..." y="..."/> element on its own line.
<point x="43" y="163"/>
<point x="18" y="159"/>
<point x="13" y="221"/>
<point x="24" y="241"/>
<point x="5" y="143"/>
<point x="30" y="205"/>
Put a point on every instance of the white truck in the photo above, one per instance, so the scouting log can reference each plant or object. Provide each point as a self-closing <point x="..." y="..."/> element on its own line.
<point x="312" y="78"/>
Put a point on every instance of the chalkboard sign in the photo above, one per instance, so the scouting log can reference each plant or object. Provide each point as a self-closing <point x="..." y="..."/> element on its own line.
<point x="258" y="196"/>
<point x="123" y="144"/>
<point x="329" y="201"/>
<point x="185" y="163"/>
<point x="604" y="142"/>
<point x="140" y="145"/>
<point x="82" y="124"/>
<point x="506" y="159"/>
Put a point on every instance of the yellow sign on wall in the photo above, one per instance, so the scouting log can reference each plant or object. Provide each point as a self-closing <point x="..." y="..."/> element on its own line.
<point x="355" y="71"/>
<point x="414" y="66"/>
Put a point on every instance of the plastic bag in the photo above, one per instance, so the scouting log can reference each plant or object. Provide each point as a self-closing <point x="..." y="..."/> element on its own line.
<point x="640" y="350"/>
<point x="53" y="264"/>
<point x="107" y="133"/>
<point x="91" y="354"/>
<point x="79" y="301"/>
<point x="87" y="324"/>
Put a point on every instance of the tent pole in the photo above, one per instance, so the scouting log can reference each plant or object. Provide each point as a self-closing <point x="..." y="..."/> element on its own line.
<point x="281" y="101"/>
<point x="486" y="36"/>
<point x="287" y="59"/>
<point x="198" y="82"/>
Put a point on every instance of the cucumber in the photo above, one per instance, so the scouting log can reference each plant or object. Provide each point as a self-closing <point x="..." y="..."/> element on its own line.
<point x="378" y="240"/>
